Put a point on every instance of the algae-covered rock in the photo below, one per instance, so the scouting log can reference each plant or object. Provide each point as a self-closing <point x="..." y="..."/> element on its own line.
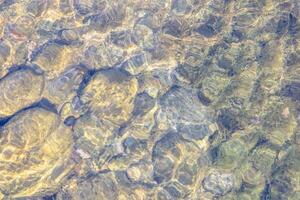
<point x="263" y="159"/>
<point x="231" y="154"/>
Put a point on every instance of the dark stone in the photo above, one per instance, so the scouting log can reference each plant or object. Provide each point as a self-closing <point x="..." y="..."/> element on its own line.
<point x="120" y="38"/>
<point x="47" y="105"/>
<point x="292" y="28"/>
<point x="3" y="121"/>
<point x="188" y="72"/>
<point x="224" y="63"/>
<point x="6" y="4"/>
<point x="216" y="48"/>
<point x="86" y="79"/>
<point x="51" y="197"/>
<point x="186" y="175"/>
<point x="238" y="35"/>
<point x="292" y="59"/>
<point x="116" y="75"/>
<point x="214" y="154"/>
<point x="227" y="120"/>
<point x="213" y="137"/>
<point x="70" y="121"/>
<point x="281" y="186"/>
<point x="291" y="90"/>
<point x="211" y="27"/>
<point x="157" y="51"/>
<point x="173" y="191"/>
<point x="203" y="99"/>
<point x="142" y="104"/>
<point x="282" y="25"/>
<point x="163" y="166"/>
<point x="245" y="186"/>
<point x="172" y="27"/>
<point x="206" y="30"/>
<point x="98" y="22"/>
<point x="180" y="6"/>
<point x="131" y="145"/>
<point x="194" y="71"/>
<point x="185" y="179"/>
<point x="266" y="193"/>
<point x="231" y="72"/>
<point x="167" y="142"/>
<point x="264" y="53"/>
<point x="163" y="169"/>
<point x="83" y="7"/>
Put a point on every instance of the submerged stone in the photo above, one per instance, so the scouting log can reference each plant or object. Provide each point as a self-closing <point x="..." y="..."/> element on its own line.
<point x="36" y="8"/>
<point x="117" y="103"/>
<point x="180" y="105"/>
<point x="292" y="91"/>
<point x="83" y="7"/>
<point x="195" y="132"/>
<point x="211" y="27"/>
<point x="180" y="6"/>
<point x="121" y="38"/>
<point x="173" y="27"/>
<point x="43" y="134"/>
<point x="143" y="104"/>
<point x="19" y="90"/>
<point x="149" y="100"/>
<point x="217" y="183"/>
<point x="227" y="120"/>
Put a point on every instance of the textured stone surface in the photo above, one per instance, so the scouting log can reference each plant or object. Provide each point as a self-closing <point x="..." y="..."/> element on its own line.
<point x="35" y="149"/>
<point x="149" y="100"/>
<point x="20" y="89"/>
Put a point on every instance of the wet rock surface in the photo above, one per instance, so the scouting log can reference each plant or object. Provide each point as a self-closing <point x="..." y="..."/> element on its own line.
<point x="142" y="100"/>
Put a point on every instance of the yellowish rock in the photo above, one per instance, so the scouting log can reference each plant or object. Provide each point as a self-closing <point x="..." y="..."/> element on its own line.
<point x="34" y="153"/>
<point x="53" y="59"/>
<point x="110" y="94"/>
<point x="18" y="90"/>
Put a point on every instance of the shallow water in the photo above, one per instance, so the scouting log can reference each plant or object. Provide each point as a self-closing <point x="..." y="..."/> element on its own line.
<point x="142" y="100"/>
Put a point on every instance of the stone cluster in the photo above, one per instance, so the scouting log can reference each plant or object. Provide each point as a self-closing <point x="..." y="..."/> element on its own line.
<point x="149" y="100"/>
